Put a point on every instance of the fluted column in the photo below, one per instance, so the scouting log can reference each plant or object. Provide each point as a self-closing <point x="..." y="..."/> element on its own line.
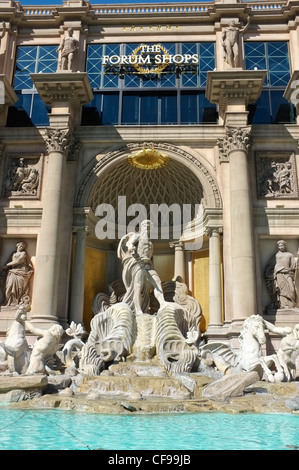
<point x="77" y="293"/>
<point x="234" y="146"/>
<point x="179" y="259"/>
<point x="215" y="290"/>
<point x="44" y="308"/>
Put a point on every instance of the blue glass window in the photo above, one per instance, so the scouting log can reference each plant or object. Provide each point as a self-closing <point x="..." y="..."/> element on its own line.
<point x="30" y="110"/>
<point x="150" y="98"/>
<point x="271" y="107"/>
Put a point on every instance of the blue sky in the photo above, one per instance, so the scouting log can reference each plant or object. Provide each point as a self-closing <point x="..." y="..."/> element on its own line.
<point x="101" y="2"/>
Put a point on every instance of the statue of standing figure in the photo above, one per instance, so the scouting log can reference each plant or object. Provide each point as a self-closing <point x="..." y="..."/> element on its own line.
<point x="19" y="271"/>
<point x="280" y="274"/>
<point x="230" y="43"/>
<point x="139" y="276"/>
<point x="68" y="48"/>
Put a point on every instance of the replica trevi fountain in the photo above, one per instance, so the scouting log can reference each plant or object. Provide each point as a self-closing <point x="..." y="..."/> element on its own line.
<point x="144" y="329"/>
<point x="145" y="339"/>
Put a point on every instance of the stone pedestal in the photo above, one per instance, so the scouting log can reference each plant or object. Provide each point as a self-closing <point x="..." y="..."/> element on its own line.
<point x="7" y="98"/>
<point x="291" y="93"/>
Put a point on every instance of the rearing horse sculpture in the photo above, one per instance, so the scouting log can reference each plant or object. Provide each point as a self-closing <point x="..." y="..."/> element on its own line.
<point x="249" y="357"/>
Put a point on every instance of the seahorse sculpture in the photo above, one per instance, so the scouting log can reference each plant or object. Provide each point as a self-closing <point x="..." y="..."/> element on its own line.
<point x="173" y="349"/>
<point x="111" y="338"/>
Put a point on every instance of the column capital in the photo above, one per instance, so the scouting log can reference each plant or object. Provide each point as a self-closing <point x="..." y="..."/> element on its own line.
<point x="58" y="140"/>
<point x="210" y="231"/>
<point x="177" y="244"/>
<point x="234" y="139"/>
<point x="82" y="230"/>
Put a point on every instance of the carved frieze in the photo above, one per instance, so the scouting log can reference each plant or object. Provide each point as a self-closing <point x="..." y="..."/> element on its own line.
<point x="234" y="139"/>
<point x="276" y="175"/>
<point x="22" y="176"/>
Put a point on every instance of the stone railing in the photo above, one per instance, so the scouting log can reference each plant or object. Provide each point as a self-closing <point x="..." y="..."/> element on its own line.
<point x="155" y="9"/>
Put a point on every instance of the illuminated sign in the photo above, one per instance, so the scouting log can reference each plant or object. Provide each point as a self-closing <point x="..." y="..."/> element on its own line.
<point x="147" y="59"/>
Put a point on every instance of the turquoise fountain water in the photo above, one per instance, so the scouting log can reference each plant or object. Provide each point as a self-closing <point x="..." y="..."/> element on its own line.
<point x="67" y="430"/>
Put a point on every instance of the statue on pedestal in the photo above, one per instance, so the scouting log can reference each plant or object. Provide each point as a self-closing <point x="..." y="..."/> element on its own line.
<point x="230" y="43"/>
<point x="68" y="48"/>
<point x="280" y="274"/>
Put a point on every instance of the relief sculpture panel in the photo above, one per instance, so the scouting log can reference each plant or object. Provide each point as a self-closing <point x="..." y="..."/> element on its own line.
<point x="276" y="175"/>
<point x="22" y="176"/>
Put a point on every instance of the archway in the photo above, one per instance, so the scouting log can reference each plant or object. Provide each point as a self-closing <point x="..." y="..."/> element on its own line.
<point x="120" y="179"/>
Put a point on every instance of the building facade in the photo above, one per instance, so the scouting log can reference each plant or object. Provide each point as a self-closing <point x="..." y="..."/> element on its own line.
<point x="188" y="105"/>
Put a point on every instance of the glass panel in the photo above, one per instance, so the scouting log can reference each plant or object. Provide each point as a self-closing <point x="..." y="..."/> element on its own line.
<point x="207" y="111"/>
<point x="94" y="64"/>
<point x="110" y="109"/>
<point x="39" y="115"/>
<point x="259" y="112"/>
<point x="130" y="109"/>
<point x="189" y="108"/>
<point x="92" y="112"/>
<point x="282" y="110"/>
<point x="26" y="64"/>
<point x="149" y="109"/>
<point x="169" y="109"/>
<point x="47" y="59"/>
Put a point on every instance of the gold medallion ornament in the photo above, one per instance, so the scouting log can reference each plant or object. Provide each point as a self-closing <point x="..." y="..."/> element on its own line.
<point x="148" y="159"/>
<point x="151" y="70"/>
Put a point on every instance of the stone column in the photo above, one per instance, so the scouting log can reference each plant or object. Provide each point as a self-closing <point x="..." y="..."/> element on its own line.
<point x="77" y="292"/>
<point x="65" y="92"/>
<point x="233" y="91"/>
<point x="236" y="143"/>
<point x="215" y="290"/>
<point x="48" y="258"/>
<point x="179" y="260"/>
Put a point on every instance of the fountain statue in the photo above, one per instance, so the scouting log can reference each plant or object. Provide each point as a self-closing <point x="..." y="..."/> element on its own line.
<point x="145" y="328"/>
<point x="143" y="317"/>
<point x="277" y="367"/>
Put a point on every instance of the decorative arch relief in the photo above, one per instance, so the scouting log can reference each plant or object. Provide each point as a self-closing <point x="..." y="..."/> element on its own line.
<point x="211" y="193"/>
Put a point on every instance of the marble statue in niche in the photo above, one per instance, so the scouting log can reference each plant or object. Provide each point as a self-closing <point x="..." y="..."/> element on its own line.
<point x="276" y="177"/>
<point x="68" y="48"/>
<point x="280" y="274"/>
<point x="16" y="276"/>
<point x="22" y="179"/>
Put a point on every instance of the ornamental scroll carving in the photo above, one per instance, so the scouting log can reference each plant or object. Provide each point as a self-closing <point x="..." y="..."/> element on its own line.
<point x="58" y="140"/>
<point x="276" y="175"/>
<point x="22" y="176"/>
<point x="234" y="139"/>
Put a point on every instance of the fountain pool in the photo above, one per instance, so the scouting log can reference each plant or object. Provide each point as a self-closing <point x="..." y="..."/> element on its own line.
<point x="68" y="430"/>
